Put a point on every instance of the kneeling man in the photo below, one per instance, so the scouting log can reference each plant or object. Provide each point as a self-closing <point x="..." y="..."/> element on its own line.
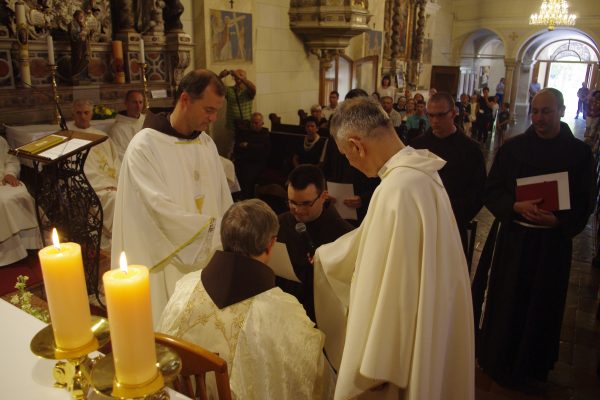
<point x="232" y="307"/>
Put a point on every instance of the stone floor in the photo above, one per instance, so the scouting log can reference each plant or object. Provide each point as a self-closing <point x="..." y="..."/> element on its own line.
<point x="574" y="375"/>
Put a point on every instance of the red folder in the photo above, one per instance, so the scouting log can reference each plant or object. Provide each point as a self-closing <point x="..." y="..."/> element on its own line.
<point x="544" y="190"/>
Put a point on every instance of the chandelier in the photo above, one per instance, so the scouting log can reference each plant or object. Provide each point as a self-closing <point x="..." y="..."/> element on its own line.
<point x="553" y="13"/>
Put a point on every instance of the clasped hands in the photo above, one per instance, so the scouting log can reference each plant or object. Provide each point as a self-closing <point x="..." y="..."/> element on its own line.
<point x="531" y="211"/>
<point x="10" y="180"/>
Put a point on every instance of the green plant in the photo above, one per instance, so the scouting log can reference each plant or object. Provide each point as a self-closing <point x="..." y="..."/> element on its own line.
<point x="23" y="300"/>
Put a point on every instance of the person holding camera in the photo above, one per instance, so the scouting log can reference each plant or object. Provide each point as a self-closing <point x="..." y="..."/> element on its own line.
<point x="239" y="98"/>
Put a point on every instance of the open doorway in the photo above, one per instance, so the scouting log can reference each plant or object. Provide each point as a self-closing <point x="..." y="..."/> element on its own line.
<point x="567" y="77"/>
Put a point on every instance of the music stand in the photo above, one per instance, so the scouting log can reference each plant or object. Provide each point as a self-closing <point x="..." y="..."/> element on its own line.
<point x="64" y="197"/>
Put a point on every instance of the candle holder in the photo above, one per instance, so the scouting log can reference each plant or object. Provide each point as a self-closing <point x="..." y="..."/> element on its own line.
<point x="143" y="66"/>
<point x="106" y="386"/>
<point x="72" y="374"/>
<point x="53" y="69"/>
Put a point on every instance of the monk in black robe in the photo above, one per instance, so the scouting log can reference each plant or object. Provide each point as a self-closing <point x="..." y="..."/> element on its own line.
<point x="518" y="320"/>
<point x="464" y="173"/>
<point x="307" y="198"/>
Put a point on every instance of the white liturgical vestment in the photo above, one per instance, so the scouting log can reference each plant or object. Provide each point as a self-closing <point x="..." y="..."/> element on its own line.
<point x="123" y="130"/>
<point x="172" y="195"/>
<point x="272" y="349"/>
<point x="393" y="296"/>
<point x="18" y="223"/>
<point x="102" y="171"/>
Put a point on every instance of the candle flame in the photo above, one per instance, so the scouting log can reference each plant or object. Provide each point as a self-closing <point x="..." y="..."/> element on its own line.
<point x="123" y="262"/>
<point x="55" y="241"/>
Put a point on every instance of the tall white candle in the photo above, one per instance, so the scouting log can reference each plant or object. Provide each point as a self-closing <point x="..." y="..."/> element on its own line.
<point x="127" y="293"/>
<point x="20" y="13"/>
<point x="64" y="281"/>
<point x="142" y="52"/>
<point x="50" y="44"/>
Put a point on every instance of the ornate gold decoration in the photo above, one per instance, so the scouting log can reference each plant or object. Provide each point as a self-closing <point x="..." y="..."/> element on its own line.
<point x="553" y="13"/>
<point x="327" y="28"/>
<point x="74" y="373"/>
<point x="104" y="383"/>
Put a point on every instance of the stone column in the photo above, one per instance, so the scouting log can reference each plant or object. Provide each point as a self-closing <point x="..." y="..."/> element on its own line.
<point x="471" y="83"/>
<point x="509" y="64"/>
<point x="513" y="91"/>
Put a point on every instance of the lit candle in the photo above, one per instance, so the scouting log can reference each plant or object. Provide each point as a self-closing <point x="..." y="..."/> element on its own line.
<point x="64" y="282"/>
<point x="50" y="44"/>
<point x="127" y="293"/>
<point x="20" y="13"/>
<point x="142" y="52"/>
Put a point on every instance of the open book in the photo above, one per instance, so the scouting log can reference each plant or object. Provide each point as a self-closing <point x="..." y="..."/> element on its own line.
<point x="56" y="145"/>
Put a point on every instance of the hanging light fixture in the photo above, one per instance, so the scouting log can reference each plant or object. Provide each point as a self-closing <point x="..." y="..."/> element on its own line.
<point x="553" y="13"/>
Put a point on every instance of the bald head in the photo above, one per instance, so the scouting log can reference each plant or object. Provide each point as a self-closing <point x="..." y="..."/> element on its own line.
<point x="547" y="108"/>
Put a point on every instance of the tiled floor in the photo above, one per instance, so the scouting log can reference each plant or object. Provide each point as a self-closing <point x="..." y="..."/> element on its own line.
<point x="574" y="375"/>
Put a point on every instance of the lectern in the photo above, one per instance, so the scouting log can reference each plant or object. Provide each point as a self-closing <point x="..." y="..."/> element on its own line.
<point x="63" y="196"/>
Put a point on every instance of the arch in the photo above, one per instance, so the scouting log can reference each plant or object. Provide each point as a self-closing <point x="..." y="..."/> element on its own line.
<point x="534" y="58"/>
<point x="480" y="53"/>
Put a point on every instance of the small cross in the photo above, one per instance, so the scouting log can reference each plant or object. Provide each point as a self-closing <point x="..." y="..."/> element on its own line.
<point x="513" y="36"/>
<point x="231" y="3"/>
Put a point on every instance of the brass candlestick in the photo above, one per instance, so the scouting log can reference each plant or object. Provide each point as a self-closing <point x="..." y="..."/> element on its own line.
<point x="105" y="384"/>
<point x="74" y="373"/>
<point x="53" y="69"/>
<point x="143" y="66"/>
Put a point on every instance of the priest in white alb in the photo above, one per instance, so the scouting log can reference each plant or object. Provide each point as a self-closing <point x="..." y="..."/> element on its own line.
<point x="101" y="167"/>
<point x="393" y="296"/>
<point x="172" y="189"/>
<point x="18" y="227"/>
<point x="128" y="122"/>
<point x="233" y="308"/>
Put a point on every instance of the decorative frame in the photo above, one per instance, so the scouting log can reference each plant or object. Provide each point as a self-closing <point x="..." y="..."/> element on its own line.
<point x="226" y="30"/>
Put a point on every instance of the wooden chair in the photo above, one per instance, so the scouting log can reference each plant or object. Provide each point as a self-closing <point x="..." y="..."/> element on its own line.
<point x="196" y="362"/>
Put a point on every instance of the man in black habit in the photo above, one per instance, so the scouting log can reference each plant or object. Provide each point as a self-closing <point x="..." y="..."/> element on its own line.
<point x="464" y="172"/>
<point x="310" y="223"/>
<point x="518" y="320"/>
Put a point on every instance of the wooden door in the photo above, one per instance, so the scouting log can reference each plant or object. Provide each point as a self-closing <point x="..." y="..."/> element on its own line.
<point x="445" y="79"/>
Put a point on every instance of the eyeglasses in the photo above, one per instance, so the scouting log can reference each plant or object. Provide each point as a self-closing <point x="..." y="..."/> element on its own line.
<point x="438" y="115"/>
<point x="304" y="204"/>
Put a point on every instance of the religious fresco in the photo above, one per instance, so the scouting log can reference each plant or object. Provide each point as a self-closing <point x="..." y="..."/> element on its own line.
<point x="230" y="36"/>
<point x="373" y="43"/>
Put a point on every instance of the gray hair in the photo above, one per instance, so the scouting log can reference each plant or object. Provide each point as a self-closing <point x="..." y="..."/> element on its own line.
<point x="247" y="227"/>
<point x="82" y="103"/>
<point x="360" y="116"/>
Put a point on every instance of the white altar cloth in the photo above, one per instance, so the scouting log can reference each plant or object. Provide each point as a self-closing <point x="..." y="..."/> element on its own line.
<point x="22" y="374"/>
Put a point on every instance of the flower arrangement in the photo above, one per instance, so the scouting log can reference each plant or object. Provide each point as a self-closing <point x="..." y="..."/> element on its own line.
<point x="103" y="112"/>
<point x="23" y="300"/>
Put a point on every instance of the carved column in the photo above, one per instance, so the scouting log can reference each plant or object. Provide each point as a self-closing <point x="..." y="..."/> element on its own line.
<point x="172" y="15"/>
<point x="387" y="48"/>
<point x="418" y="34"/>
<point x="150" y="20"/>
<point x="126" y="16"/>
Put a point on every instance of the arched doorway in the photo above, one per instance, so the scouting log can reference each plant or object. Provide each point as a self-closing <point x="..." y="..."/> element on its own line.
<point x="481" y="62"/>
<point x="563" y="58"/>
<point x="565" y="65"/>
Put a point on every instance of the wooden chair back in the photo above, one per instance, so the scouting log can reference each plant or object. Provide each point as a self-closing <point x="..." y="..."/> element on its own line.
<point x="195" y="363"/>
